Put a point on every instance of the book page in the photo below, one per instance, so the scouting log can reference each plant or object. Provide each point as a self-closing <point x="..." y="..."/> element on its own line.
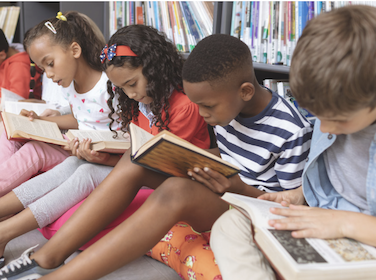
<point x="98" y="136"/>
<point x="139" y="137"/>
<point x="258" y="209"/>
<point x="15" y="107"/>
<point x="37" y="127"/>
<point x="7" y="95"/>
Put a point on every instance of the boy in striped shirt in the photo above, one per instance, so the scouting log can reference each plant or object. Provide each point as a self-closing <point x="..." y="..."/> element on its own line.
<point x="257" y="130"/>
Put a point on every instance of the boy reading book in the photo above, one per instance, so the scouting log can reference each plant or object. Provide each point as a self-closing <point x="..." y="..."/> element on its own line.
<point x="259" y="132"/>
<point x="332" y="75"/>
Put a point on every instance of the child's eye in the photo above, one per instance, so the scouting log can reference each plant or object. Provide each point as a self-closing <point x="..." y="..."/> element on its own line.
<point x="132" y="85"/>
<point x="50" y="64"/>
<point x="207" y="106"/>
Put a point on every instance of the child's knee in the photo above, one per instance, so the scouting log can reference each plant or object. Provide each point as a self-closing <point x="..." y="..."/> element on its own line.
<point x="232" y="221"/>
<point x="173" y="193"/>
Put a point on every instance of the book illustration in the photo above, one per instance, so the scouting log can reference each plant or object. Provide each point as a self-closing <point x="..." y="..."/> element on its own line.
<point x="350" y="250"/>
<point x="299" y="249"/>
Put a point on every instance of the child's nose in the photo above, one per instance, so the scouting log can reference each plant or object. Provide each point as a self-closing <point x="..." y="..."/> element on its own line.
<point x="49" y="74"/>
<point x="131" y="95"/>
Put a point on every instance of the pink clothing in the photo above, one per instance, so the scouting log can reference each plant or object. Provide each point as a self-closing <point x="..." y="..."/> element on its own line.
<point x="21" y="160"/>
<point x="140" y="198"/>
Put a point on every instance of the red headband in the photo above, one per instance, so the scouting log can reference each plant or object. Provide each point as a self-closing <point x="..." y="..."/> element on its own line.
<point x="114" y="50"/>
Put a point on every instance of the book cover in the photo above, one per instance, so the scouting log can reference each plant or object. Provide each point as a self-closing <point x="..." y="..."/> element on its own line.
<point x="306" y="258"/>
<point x="168" y="154"/>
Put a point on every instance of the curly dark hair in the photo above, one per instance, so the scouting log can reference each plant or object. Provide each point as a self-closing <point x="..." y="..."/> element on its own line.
<point x="77" y="28"/>
<point x="161" y="66"/>
<point x="216" y="57"/>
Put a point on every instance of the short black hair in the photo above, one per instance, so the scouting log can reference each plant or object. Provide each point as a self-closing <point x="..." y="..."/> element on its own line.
<point x="216" y="57"/>
<point x="4" y="46"/>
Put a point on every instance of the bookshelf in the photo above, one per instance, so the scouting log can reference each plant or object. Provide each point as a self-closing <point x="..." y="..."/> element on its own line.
<point x="31" y="13"/>
<point x="222" y="24"/>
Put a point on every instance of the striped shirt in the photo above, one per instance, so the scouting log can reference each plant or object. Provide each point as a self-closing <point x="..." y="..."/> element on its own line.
<point x="270" y="149"/>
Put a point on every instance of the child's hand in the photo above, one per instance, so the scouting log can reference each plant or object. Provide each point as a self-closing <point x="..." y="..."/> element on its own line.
<point x="214" y="180"/>
<point x="30" y="114"/>
<point x="286" y="197"/>
<point x="90" y="155"/>
<point x="72" y="146"/>
<point x="50" y="113"/>
<point x="311" y="222"/>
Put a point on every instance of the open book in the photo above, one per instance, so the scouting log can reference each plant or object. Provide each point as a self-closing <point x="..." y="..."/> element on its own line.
<point x="103" y="140"/>
<point x="10" y="103"/>
<point x="309" y="258"/>
<point x="20" y="127"/>
<point x="170" y="155"/>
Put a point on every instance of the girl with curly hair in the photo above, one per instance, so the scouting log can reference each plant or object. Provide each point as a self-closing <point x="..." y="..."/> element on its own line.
<point x="145" y="87"/>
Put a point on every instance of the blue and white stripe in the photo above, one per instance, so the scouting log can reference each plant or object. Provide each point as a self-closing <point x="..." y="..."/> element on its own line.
<point x="270" y="148"/>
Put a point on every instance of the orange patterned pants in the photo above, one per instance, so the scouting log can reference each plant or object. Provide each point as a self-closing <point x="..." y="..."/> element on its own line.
<point x="188" y="253"/>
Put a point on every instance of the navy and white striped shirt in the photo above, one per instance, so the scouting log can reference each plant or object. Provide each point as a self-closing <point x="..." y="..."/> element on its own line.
<point x="270" y="148"/>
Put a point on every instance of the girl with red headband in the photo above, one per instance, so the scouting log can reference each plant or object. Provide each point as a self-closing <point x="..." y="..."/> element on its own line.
<point x="144" y="71"/>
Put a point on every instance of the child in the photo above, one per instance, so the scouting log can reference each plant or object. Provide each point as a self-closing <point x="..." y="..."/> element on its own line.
<point x="219" y="77"/>
<point x="22" y="160"/>
<point x="339" y="88"/>
<point x="15" y="71"/>
<point x="161" y="105"/>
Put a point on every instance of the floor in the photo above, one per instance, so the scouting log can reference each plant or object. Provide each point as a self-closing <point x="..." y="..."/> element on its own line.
<point x="143" y="268"/>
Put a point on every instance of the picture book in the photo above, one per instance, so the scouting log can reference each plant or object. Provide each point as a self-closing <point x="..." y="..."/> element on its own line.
<point x="168" y="154"/>
<point x="103" y="140"/>
<point x="18" y="127"/>
<point x="307" y="258"/>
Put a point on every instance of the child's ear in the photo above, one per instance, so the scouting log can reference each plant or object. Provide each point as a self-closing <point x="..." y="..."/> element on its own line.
<point x="247" y="90"/>
<point x="76" y="49"/>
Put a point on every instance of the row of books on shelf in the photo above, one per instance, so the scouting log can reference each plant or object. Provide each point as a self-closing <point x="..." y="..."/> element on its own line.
<point x="272" y="28"/>
<point x="8" y="21"/>
<point x="184" y="22"/>
<point x="282" y="87"/>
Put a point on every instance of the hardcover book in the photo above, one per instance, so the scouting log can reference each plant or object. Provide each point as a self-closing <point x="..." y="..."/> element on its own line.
<point x="168" y="154"/>
<point x="307" y="258"/>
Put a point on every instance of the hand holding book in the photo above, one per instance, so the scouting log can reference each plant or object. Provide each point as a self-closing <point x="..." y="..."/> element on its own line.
<point x="311" y="222"/>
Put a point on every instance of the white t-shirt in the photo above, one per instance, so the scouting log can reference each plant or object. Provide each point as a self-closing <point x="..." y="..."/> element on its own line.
<point x="90" y="109"/>
<point x="52" y="93"/>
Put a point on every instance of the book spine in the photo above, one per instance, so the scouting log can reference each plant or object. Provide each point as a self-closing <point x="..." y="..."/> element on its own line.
<point x="190" y="21"/>
<point x="194" y="16"/>
<point x="258" y="31"/>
